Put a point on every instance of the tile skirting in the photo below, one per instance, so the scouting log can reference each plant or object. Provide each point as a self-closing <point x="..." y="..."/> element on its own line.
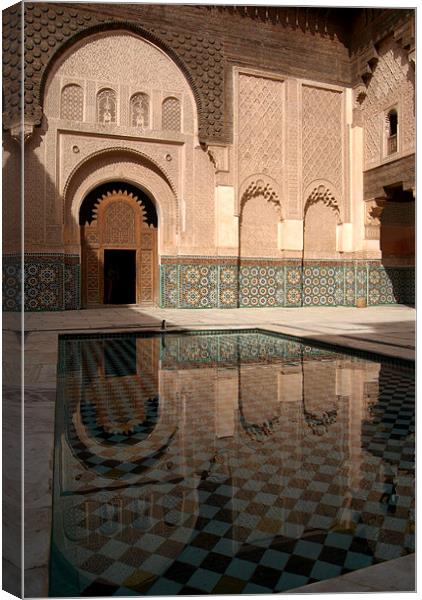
<point x="52" y="282"/>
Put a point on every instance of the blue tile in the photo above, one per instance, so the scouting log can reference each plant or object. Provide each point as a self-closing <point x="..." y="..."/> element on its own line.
<point x="156" y="564"/>
<point x="324" y="570"/>
<point x="356" y="560"/>
<point x="308" y="549"/>
<point x="339" y="540"/>
<point x="253" y="588"/>
<point x="149" y="542"/>
<point x="217" y="527"/>
<point x="192" y="555"/>
<point x="204" y="579"/>
<point x="227" y="547"/>
<point x="289" y="581"/>
<point x="242" y="569"/>
<point x="274" y="559"/>
<point x="164" y="587"/>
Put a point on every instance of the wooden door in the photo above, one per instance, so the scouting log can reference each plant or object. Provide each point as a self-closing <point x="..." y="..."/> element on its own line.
<point x="119" y="223"/>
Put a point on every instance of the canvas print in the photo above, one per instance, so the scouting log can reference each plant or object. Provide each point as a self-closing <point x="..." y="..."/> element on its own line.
<point x="208" y="299"/>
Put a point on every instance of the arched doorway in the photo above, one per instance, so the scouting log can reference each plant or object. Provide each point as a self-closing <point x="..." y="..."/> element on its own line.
<point x="119" y="226"/>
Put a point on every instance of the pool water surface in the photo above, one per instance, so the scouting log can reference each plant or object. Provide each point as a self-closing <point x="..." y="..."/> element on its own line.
<point x="226" y="462"/>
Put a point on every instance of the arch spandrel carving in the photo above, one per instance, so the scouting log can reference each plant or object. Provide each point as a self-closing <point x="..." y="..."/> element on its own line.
<point x="260" y="184"/>
<point x="322" y="191"/>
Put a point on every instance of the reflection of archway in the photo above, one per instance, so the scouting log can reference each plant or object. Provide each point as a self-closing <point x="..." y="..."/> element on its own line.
<point x="119" y="246"/>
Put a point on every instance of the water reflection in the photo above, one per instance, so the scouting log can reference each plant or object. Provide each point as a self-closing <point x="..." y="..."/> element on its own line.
<point x="226" y="463"/>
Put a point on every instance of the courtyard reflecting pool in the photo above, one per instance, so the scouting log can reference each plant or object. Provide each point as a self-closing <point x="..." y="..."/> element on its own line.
<point x="226" y="462"/>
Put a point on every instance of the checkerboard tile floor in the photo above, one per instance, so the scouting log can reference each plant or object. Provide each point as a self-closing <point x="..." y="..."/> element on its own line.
<point x="286" y="497"/>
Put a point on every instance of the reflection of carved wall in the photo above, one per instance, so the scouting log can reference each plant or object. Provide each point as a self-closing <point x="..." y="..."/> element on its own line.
<point x="322" y="138"/>
<point x="392" y="84"/>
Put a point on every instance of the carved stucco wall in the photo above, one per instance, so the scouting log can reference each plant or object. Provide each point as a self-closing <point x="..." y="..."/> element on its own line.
<point x="392" y="85"/>
<point x="11" y="196"/>
<point x="259" y="228"/>
<point x="201" y="208"/>
<point x="99" y="63"/>
<point x="135" y="169"/>
<point x="51" y="28"/>
<point x="260" y="127"/>
<point x="322" y="138"/>
<point x="260" y="161"/>
<point x="131" y="64"/>
<point x="320" y="231"/>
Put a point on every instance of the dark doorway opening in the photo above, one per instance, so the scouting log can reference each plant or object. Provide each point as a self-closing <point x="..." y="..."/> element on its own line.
<point x="119" y="276"/>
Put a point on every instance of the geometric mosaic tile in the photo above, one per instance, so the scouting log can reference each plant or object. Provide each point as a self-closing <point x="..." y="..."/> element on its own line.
<point x="53" y="282"/>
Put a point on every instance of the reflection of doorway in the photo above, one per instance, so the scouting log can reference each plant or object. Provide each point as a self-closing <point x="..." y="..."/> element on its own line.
<point x="119" y="276"/>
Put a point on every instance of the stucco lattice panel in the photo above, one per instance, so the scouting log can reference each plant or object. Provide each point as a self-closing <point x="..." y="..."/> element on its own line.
<point x="139" y="110"/>
<point x="392" y="84"/>
<point x="322" y="136"/>
<point x="107" y="106"/>
<point x="119" y="224"/>
<point x="260" y="130"/>
<point x="72" y="103"/>
<point x="49" y="26"/>
<point x="116" y="57"/>
<point x="171" y="112"/>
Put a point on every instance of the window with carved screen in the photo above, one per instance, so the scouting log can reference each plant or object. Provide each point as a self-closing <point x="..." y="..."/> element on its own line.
<point x="392" y="127"/>
<point x="72" y="103"/>
<point x="106" y="106"/>
<point x="139" y="111"/>
<point x="171" y="115"/>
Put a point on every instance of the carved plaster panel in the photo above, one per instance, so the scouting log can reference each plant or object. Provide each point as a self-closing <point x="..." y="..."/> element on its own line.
<point x="322" y="136"/>
<point x="392" y="84"/>
<point x="123" y="167"/>
<point x="116" y="58"/>
<point x="321" y="193"/>
<point x="260" y="126"/>
<point x="219" y="156"/>
<point x="50" y="28"/>
<point x="203" y="202"/>
<point x="75" y="148"/>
